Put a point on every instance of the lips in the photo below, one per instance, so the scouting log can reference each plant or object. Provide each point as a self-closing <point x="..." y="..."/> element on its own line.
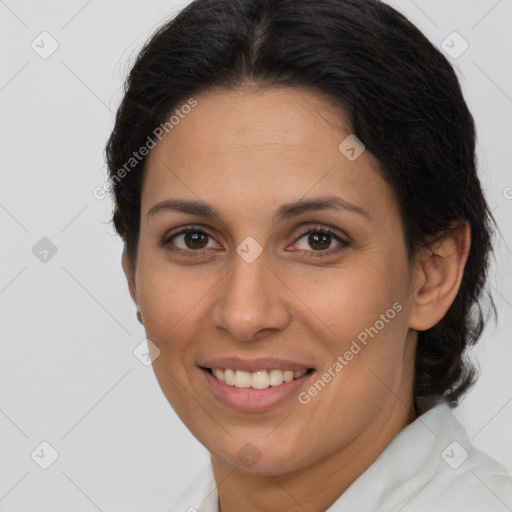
<point x="255" y="395"/>
<point x="254" y="384"/>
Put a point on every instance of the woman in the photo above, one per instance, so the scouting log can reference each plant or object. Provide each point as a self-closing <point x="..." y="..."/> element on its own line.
<point x="305" y="237"/>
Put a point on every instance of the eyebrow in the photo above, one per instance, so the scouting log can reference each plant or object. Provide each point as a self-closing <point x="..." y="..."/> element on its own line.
<point x="284" y="212"/>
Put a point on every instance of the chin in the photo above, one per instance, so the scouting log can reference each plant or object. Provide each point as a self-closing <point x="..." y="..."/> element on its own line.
<point x="266" y="462"/>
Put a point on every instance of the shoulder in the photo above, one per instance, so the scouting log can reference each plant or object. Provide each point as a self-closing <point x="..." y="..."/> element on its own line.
<point x="476" y="486"/>
<point x="431" y="466"/>
<point x="456" y="475"/>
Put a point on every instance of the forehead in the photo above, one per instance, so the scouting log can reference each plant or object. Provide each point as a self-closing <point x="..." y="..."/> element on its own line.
<point x="252" y="119"/>
<point x="266" y="146"/>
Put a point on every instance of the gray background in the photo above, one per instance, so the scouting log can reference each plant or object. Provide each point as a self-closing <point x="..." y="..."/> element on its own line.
<point x="68" y="375"/>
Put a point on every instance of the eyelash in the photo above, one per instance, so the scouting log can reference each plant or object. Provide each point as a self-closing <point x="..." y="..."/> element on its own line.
<point x="166" y="242"/>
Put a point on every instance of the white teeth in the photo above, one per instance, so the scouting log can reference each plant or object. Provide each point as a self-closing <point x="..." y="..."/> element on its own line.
<point x="276" y="377"/>
<point x="288" y="376"/>
<point x="260" y="380"/>
<point x="229" y="377"/>
<point x="256" y="380"/>
<point x="219" y="373"/>
<point x="242" y="379"/>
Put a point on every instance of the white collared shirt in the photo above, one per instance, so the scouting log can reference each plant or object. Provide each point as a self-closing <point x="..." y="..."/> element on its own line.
<point x="430" y="466"/>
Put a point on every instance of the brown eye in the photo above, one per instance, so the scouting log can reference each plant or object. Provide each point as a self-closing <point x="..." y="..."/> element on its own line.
<point x="195" y="240"/>
<point x="318" y="242"/>
<point x="189" y="240"/>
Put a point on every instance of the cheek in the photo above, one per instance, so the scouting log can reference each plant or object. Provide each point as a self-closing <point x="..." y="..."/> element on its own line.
<point x="344" y="303"/>
<point x="168" y="300"/>
<point x="360" y="315"/>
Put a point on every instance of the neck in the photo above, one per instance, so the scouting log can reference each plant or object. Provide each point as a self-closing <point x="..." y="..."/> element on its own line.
<point x="316" y="487"/>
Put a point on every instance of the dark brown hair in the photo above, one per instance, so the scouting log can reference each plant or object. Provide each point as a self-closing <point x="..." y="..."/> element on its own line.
<point x="404" y="103"/>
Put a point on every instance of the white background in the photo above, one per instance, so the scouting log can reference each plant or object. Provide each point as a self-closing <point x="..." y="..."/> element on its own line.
<point x="68" y="328"/>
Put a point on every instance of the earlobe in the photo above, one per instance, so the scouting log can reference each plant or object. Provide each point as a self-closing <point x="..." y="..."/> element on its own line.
<point x="439" y="274"/>
<point x="130" y="275"/>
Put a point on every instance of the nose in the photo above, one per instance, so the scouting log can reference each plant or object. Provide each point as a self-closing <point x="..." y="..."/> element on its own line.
<point x="250" y="300"/>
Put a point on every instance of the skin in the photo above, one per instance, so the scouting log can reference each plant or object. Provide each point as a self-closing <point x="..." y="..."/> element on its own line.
<point x="246" y="152"/>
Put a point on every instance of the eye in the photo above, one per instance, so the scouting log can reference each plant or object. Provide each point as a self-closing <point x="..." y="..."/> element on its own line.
<point x="192" y="240"/>
<point x="320" y="239"/>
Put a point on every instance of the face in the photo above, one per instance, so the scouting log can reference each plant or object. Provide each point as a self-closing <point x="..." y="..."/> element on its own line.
<point x="269" y="282"/>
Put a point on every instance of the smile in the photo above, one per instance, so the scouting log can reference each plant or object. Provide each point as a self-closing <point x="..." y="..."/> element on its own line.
<point x="261" y="379"/>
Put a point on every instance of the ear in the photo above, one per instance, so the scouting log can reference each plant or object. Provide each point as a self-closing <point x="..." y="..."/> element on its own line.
<point x="438" y="274"/>
<point x="130" y="275"/>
